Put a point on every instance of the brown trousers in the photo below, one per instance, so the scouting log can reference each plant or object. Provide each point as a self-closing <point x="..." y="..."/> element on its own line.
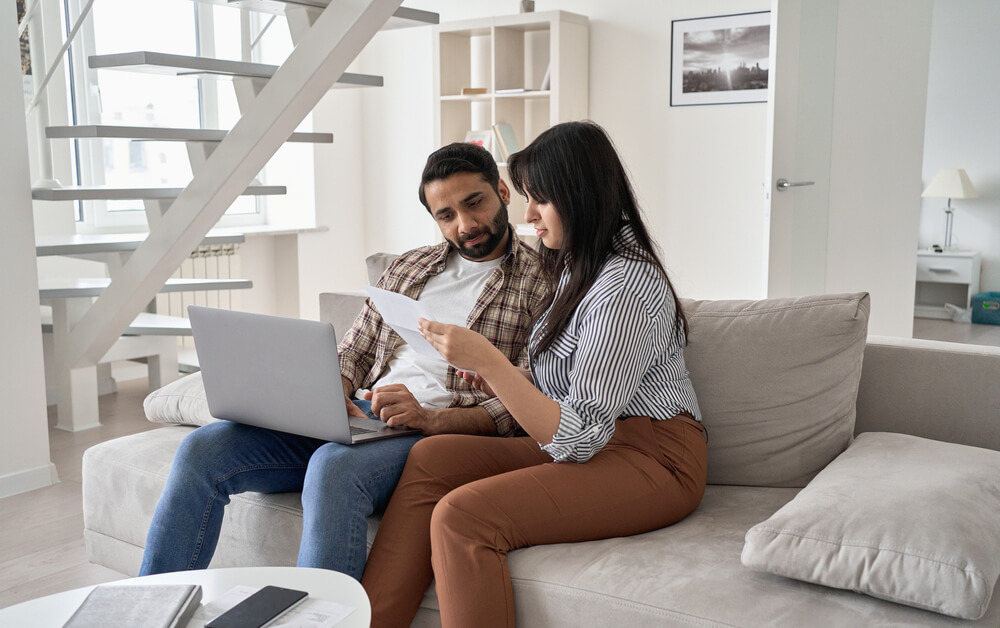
<point x="463" y="502"/>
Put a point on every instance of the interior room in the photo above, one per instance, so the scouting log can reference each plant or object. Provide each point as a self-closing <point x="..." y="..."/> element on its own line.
<point x="867" y="103"/>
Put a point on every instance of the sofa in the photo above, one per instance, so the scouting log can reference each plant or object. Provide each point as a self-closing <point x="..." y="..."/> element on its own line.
<point x="853" y="480"/>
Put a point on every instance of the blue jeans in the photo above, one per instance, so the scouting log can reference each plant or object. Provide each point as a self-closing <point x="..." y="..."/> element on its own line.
<point x="341" y="485"/>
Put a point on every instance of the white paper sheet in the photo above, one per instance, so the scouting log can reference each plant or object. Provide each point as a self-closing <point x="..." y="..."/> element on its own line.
<point x="402" y="314"/>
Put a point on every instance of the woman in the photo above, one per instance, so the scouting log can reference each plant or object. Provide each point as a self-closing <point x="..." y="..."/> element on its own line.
<point x="615" y="446"/>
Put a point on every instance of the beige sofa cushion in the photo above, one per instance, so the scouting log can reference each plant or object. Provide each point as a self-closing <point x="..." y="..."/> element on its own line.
<point x="898" y="517"/>
<point x="777" y="382"/>
<point x="181" y="401"/>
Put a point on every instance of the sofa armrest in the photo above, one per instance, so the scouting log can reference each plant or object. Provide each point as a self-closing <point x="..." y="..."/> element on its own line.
<point x="939" y="390"/>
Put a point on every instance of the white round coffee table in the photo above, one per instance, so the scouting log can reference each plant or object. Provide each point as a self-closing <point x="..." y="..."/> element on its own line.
<point x="55" y="610"/>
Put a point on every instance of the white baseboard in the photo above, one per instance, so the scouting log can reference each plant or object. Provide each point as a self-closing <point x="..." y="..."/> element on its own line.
<point x="28" y="480"/>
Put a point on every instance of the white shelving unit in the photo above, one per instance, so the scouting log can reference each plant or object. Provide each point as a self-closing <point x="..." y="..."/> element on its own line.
<point x="509" y="57"/>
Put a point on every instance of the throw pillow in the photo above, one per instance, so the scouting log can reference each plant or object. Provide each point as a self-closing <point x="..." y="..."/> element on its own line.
<point x="181" y="401"/>
<point x="777" y="383"/>
<point x="897" y="517"/>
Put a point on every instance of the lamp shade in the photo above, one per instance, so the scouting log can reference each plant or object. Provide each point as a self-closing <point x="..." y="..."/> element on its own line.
<point x="950" y="183"/>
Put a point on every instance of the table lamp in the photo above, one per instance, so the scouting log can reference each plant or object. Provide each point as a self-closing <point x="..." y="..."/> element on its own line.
<point x="950" y="183"/>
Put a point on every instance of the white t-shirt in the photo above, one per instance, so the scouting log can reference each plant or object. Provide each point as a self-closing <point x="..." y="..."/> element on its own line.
<point x="450" y="296"/>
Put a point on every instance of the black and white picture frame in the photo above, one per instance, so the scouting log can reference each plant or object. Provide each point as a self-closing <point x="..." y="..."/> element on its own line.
<point x="720" y="60"/>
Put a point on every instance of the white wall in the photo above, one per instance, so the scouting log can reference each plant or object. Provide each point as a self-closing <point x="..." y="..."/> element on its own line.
<point x="698" y="171"/>
<point x="878" y="116"/>
<point x="24" y="449"/>
<point x="963" y="128"/>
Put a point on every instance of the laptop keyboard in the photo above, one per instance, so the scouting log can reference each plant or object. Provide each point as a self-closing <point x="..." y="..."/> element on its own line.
<point x="355" y="430"/>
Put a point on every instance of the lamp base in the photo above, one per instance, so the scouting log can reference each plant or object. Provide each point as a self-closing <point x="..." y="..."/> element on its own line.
<point x="949" y="222"/>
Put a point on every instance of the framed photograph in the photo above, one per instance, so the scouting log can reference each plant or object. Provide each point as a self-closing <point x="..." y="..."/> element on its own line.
<point x="482" y="138"/>
<point x="720" y="60"/>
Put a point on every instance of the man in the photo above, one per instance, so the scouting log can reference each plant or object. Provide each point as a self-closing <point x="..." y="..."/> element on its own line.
<point x="481" y="276"/>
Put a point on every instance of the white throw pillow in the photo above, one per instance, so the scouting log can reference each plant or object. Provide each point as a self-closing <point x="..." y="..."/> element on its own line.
<point x="897" y="517"/>
<point x="182" y="401"/>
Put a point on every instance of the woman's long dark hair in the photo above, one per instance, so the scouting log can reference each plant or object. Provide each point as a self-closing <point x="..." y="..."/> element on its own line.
<point x="574" y="166"/>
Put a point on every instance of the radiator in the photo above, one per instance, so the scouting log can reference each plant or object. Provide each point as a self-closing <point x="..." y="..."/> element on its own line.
<point x="217" y="261"/>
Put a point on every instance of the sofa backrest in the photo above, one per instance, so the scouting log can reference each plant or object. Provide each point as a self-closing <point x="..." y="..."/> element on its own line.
<point x="777" y="382"/>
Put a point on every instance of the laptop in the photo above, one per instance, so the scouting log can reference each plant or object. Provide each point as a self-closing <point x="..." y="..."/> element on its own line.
<point x="279" y="373"/>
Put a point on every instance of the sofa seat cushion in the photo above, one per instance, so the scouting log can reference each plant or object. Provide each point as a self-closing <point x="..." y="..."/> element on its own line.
<point x="687" y="575"/>
<point x="777" y="382"/>
<point x="122" y="482"/>
<point x="898" y="517"/>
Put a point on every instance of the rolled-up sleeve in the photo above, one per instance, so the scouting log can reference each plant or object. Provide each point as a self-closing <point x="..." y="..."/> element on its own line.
<point x="615" y="343"/>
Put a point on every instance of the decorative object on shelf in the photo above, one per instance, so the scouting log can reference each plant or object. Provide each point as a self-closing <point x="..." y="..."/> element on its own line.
<point x="950" y="183"/>
<point x="720" y="60"/>
<point x="527" y="6"/>
<point x="547" y="79"/>
<point x="482" y="138"/>
<point x="471" y="91"/>
<point x="506" y="140"/>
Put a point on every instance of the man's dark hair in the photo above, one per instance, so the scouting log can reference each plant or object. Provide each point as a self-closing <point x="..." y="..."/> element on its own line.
<point x="455" y="158"/>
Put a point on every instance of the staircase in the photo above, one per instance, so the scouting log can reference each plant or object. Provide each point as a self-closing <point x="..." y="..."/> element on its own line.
<point x="93" y="321"/>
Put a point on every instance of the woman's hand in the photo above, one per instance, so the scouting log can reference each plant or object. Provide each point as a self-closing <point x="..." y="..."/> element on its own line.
<point x="461" y="347"/>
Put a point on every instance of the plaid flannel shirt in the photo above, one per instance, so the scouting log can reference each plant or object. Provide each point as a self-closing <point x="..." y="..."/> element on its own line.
<point x="503" y="313"/>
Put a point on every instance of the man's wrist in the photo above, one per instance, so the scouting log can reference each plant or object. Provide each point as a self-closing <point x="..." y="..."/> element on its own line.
<point x="470" y="420"/>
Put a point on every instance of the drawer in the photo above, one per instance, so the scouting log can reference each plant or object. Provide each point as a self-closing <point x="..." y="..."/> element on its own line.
<point x="944" y="269"/>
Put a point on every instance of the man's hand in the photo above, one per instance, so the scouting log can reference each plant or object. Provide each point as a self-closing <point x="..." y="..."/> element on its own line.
<point x="476" y="381"/>
<point x="352" y="410"/>
<point x="397" y="406"/>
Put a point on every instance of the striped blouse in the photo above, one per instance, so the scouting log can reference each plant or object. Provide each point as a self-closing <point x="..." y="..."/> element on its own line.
<point x="618" y="356"/>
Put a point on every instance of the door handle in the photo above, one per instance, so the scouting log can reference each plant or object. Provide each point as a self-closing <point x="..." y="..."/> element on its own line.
<point x="784" y="184"/>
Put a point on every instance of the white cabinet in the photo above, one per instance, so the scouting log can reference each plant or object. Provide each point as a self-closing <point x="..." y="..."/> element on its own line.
<point x="947" y="277"/>
<point x="507" y="59"/>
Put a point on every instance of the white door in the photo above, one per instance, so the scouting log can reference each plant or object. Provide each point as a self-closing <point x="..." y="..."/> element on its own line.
<point x="800" y="120"/>
<point x="848" y="95"/>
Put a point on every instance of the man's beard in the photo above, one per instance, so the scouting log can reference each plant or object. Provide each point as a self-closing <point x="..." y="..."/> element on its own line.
<point x="497" y="230"/>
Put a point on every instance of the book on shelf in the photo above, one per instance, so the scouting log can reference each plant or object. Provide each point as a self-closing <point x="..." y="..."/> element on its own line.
<point x="147" y="605"/>
<point x="514" y="90"/>
<point x="506" y="140"/>
<point x="481" y="138"/>
<point x="471" y="91"/>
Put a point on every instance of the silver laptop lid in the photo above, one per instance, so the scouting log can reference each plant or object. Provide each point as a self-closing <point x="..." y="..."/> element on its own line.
<point x="270" y="371"/>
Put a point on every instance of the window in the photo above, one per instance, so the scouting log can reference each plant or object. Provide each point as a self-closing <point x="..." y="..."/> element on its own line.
<point x="127" y="98"/>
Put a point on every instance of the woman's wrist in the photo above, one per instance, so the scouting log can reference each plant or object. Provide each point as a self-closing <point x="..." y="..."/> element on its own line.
<point x="493" y="364"/>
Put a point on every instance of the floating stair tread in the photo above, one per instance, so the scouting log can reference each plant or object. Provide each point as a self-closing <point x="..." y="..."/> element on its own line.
<point x="145" y="324"/>
<point x="95" y="193"/>
<point x="403" y="17"/>
<point x="94" y="286"/>
<point x="163" y="134"/>
<point x="80" y="244"/>
<point x="181" y="65"/>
